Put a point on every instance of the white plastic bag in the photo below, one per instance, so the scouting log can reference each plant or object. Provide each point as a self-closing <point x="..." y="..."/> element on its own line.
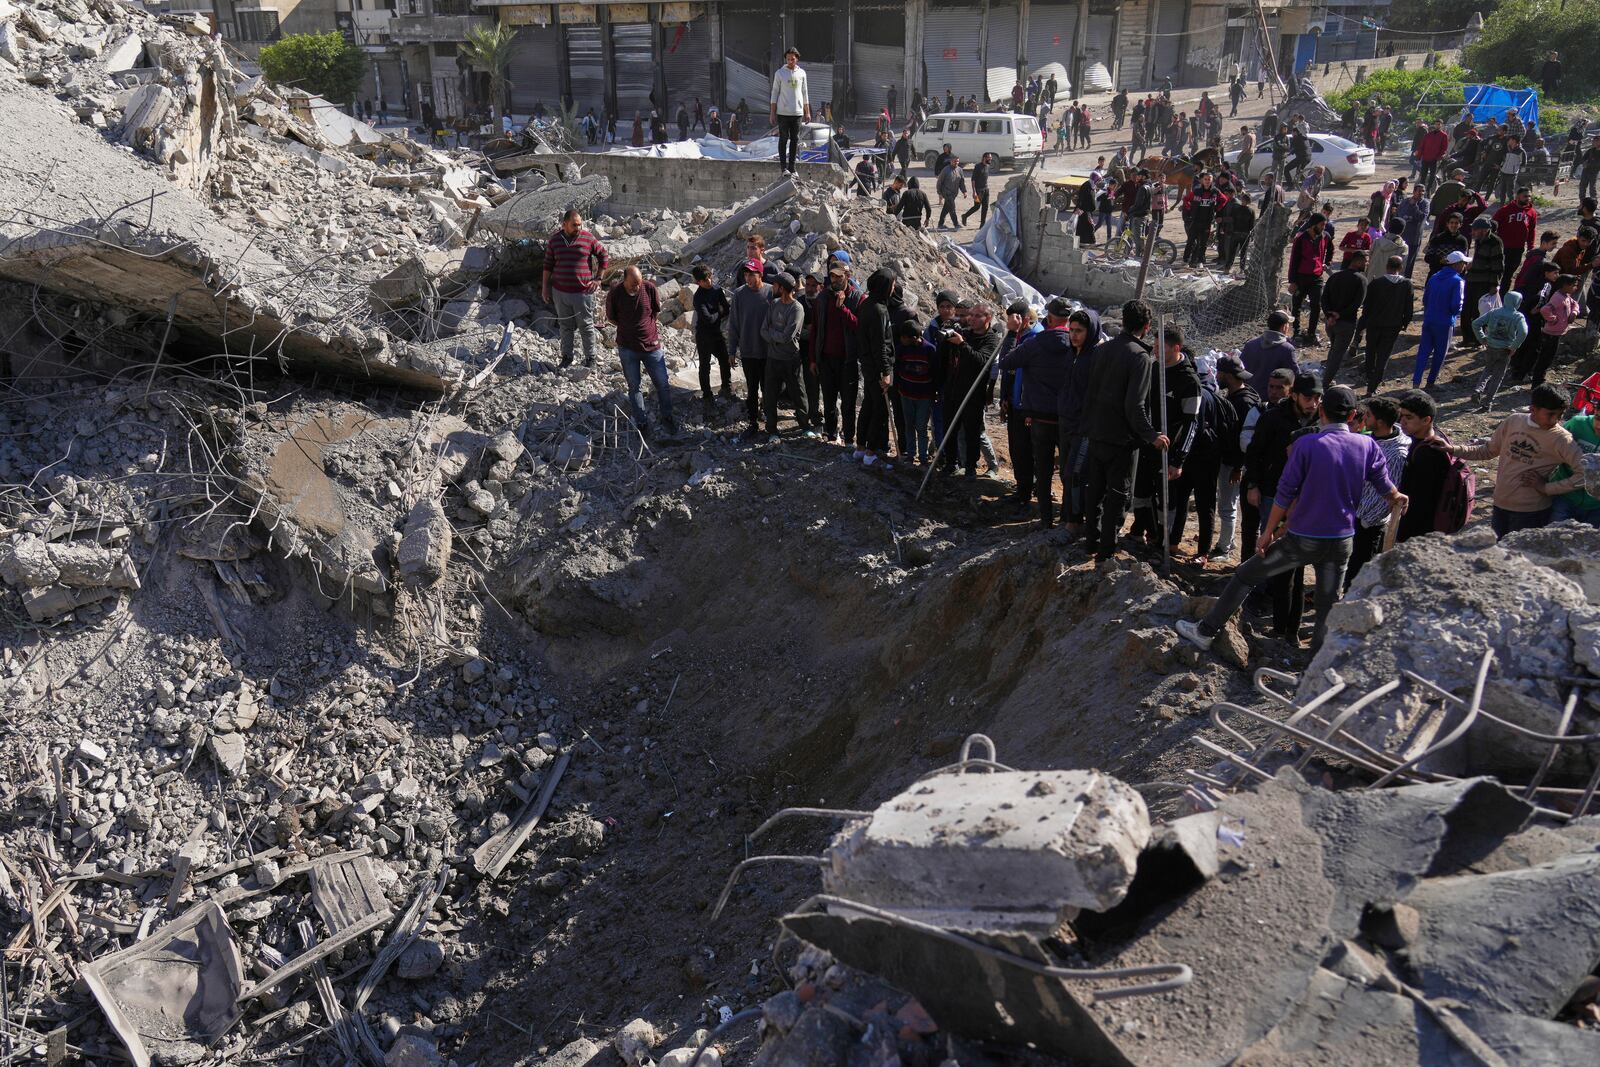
<point x="1488" y="302"/>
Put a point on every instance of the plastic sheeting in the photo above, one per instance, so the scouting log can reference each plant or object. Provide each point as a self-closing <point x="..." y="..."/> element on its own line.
<point x="1491" y="101"/>
<point x="992" y="248"/>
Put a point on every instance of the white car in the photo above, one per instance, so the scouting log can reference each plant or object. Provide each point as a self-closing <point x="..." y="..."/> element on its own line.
<point x="1012" y="137"/>
<point x="1344" y="161"/>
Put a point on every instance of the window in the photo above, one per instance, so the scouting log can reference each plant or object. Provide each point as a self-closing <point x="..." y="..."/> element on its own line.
<point x="959" y="126"/>
<point x="934" y="126"/>
<point x="1316" y="146"/>
<point x="991" y="126"/>
<point x="257" y="25"/>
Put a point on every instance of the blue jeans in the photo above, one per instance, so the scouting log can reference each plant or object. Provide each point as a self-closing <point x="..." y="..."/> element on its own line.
<point x="656" y="364"/>
<point x="1431" y="352"/>
<point x="918" y="412"/>
<point x="1564" y="510"/>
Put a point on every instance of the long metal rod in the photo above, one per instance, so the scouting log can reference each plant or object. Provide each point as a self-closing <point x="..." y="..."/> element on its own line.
<point x="1163" y="465"/>
<point x="951" y="424"/>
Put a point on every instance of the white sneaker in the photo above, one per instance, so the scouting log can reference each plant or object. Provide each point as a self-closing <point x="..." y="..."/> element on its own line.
<point x="1190" y="632"/>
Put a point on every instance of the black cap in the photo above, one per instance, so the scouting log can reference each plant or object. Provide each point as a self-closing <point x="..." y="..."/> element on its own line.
<point x="1060" y="307"/>
<point x="1307" y="385"/>
<point x="945" y="296"/>
<point x="1229" y="365"/>
<point x="1339" y="402"/>
<point x="1017" y="307"/>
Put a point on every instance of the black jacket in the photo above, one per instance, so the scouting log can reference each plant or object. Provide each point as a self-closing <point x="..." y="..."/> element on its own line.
<point x="1183" y="408"/>
<point x="1390" y="304"/>
<point x="1244" y="402"/>
<point x="1269" y="448"/>
<point x="1343" y="292"/>
<point x="1043" y="360"/>
<point x="968" y="362"/>
<point x="876" y="348"/>
<point x="1488" y="260"/>
<point x="1115" y="410"/>
<point x="1440" y="245"/>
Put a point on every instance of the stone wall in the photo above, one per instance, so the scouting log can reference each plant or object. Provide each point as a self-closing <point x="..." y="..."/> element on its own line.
<point x="1333" y="77"/>
<point x="642" y="183"/>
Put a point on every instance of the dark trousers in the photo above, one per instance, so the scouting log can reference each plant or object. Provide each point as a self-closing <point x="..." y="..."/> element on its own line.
<point x="1108" y="475"/>
<point x="1548" y="343"/>
<point x="970" y="427"/>
<point x="1307" y="289"/>
<point x="1020" y="441"/>
<point x="948" y="207"/>
<point x="1380" y="343"/>
<point x="1043" y="436"/>
<point x="784" y="375"/>
<point x="1199" y="226"/>
<point x="1236" y="245"/>
<point x="1367" y="541"/>
<point x="872" y="432"/>
<point x="1586" y="182"/>
<point x="788" y="141"/>
<point x="1199" y="479"/>
<point x="1290" y="553"/>
<point x="1506" y="522"/>
<point x="1341" y="342"/>
<point x="712" y="345"/>
<point x="1249" y="527"/>
<point x="813" y="386"/>
<point x="980" y="204"/>
<point x="1430" y="170"/>
<point x="755" y="375"/>
<point x="841" y="381"/>
<point x="1514" y="258"/>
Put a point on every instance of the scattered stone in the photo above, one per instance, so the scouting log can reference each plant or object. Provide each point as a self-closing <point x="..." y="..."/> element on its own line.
<point x="411" y="1050"/>
<point x="635" y="1041"/>
<point x="25" y="562"/>
<point x="229" y="752"/>
<point x="421" y="959"/>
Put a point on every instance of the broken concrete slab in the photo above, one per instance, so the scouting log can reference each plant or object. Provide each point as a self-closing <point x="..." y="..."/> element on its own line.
<point x="174" y="993"/>
<point x="1515" y="941"/>
<point x="1017" y="846"/>
<point x="535" y="213"/>
<point x="25" y="563"/>
<point x="84" y="566"/>
<point x="424" y="553"/>
<point x="1533" y="1042"/>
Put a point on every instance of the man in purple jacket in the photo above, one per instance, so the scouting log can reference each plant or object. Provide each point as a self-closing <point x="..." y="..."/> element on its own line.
<point x="1264" y="354"/>
<point x="1323" y="484"/>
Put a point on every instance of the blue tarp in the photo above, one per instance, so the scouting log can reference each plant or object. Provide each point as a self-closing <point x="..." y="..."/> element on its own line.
<point x="1491" y="101"/>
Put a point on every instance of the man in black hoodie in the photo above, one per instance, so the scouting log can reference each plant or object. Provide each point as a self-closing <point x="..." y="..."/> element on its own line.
<point x="1388" y="310"/>
<point x="1483" y="275"/>
<point x="876" y="352"/>
<point x="966" y="353"/>
<point x="1182" y="404"/>
<point x="915" y="210"/>
<point x="1342" y="295"/>
<point x="1116" y="422"/>
<point x="1083" y="329"/>
<point x="1042" y="359"/>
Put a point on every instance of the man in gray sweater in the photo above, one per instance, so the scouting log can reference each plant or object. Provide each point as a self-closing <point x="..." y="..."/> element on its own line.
<point x="781" y="330"/>
<point x="747" y="314"/>
<point x="951" y="184"/>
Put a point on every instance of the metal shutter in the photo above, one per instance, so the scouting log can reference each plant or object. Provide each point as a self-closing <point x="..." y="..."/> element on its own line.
<point x="634" y="60"/>
<point x="1099" y="50"/>
<point x="584" y="55"/>
<point x="686" y="54"/>
<point x="819" y="86"/>
<point x="1001" y="56"/>
<point x="1169" y="39"/>
<point x="951" y="56"/>
<point x="535" y="70"/>
<point x="751" y="86"/>
<point x="878" y="66"/>
<point x="747" y="37"/>
<point x="1050" y="33"/>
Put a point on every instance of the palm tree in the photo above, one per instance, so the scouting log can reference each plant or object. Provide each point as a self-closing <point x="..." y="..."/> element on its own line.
<point x="490" y="50"/>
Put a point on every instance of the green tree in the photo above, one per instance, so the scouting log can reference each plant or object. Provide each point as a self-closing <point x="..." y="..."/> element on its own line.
<point x="490" y="51"/>
<point x="1517" y="37"/>
<point x="322" y="63"/>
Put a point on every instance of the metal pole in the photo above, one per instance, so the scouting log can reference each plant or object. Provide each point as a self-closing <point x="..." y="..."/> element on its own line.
<point x="953" y="422"/>
<point x="1144" y="257"/>
<point x="1162" y="463"/>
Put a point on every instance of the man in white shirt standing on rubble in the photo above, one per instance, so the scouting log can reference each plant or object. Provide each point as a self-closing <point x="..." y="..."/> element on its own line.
<point x="791" y="104"/>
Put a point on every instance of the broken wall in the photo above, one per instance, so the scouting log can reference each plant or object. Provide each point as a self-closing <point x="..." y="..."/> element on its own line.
<point x="640" y="183"/>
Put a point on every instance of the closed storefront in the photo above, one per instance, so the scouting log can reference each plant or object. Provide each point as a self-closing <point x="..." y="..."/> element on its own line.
<point x="587" y="66"/>
<point x="1000" y="59"/>
<point x="686" y="55"/>
<point x="952" y="52"/>
<point x="878" y="58"/>
<point x="1101" y="31"/>
<point x="1170" y="15"/>
<point x="750" y="85"/>
<point x="535" y="69"/>
<point x="747" y="32"/>
<point x="1050" y="37"/>
<point x="633" y="58"/>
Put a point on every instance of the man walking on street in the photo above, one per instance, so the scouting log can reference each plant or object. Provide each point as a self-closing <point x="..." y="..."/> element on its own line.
<point x="1442" y="300"/>
<point x="632" y="307"/>
<point x="980" y="190"/>
<point x="1387" y="311"/>
<point x="574" y="260"/>
<point x="790" y="105"/>
<point x="1342" y="297"/>
<point x="1116" y="423"/>
<point x="1322" y="482"/>
<point x="951" y="184"/>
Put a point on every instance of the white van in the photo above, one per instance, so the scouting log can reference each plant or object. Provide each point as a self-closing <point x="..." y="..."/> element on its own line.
<point x="1013" y="138"/>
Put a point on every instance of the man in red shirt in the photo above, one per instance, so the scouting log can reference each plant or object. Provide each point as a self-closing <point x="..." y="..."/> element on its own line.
<point x="1434" y="147"/>
<point x="632" y="308"/>
<point x="1308" y="258"/>
<point x="574" y="259"/>
<point x="1517" y="222"/>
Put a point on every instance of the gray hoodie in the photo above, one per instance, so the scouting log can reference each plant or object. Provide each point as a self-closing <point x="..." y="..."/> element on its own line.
<point x="952" y="182"/>
<point x="745" y="318"/>
<point x="782" y="329"/>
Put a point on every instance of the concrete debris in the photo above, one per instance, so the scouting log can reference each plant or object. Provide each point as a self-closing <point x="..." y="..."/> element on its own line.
<point x="635" y="1041"/>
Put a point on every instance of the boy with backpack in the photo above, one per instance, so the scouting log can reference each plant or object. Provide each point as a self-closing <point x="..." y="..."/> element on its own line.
<point x="1529" y="447"/>
<point x="710" y="314"/>
<point x="1438" y="486"/>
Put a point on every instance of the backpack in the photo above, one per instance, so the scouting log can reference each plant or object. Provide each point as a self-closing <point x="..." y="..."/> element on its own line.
<point x="1219" y="422"/>
<point x="1460" y="486"/>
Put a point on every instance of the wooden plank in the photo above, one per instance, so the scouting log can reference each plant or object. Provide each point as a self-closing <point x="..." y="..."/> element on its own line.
<point x="492" y="857"/>
<point x="306" y="959"/>
<point x="180" y="880"/>
<point x="346" y="892"/>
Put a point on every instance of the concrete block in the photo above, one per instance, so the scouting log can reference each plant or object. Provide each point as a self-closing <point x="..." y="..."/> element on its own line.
<point x="90" y="566"/>
<point x="25" y="563"/>
<point x="1025" y="845"/>
<point x="425" y="545"/>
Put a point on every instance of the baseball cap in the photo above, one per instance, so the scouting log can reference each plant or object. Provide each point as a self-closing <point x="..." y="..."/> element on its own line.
<point x="1339" y="401"/>
<point x="841" y="255"/>
<point x="945" y="296"/>
<point x="1307" y="385"/>
<point x="840" y="271"/>
<point x="1456" y="257"/>
<point x="1229" y="365"/>
<point x="1017" y="307"/>
<point x="1482" y="223"/>
<point x="752" y="265"/>
<point x="785" y="280"/>
<point x="1060" y="307"/>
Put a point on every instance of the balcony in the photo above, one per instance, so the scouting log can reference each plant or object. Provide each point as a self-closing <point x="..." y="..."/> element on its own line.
<point x="426" y="29"/>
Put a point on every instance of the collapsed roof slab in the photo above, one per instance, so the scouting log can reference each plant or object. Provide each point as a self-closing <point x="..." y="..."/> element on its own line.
<point x="88" y="219"/>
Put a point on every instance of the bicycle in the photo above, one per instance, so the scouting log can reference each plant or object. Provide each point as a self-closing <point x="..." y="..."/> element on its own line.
<point x="1123" y="246"/>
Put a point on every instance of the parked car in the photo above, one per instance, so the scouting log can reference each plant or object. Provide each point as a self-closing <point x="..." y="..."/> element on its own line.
<point x="1011" y="137"/>
<point x="1345" y="161"/>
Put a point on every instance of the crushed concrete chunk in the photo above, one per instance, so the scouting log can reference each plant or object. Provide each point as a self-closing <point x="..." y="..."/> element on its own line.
<point x="425" y="546"/>
<point x="412" y="1050"/>
<point x="25" y="563"/>
<point x="634" y="1042"/>
<point x="91" y="566"/>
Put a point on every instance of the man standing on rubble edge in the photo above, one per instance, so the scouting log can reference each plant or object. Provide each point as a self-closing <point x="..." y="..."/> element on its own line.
<point x="574" y="259"/>
<point x="790" y="104"/>
<point x="632" y="307"/>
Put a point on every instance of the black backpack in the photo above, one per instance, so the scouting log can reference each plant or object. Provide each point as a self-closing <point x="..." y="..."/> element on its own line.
<point x="1218" y="428"/>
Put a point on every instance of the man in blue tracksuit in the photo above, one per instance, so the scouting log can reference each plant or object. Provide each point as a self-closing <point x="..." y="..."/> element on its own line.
<point x="1442" y="300"/>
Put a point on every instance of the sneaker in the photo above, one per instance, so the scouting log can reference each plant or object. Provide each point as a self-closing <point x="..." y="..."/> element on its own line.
<point x="858" y="455"/>
<point x="812" y="435"/>
<point x="1189" y="630"/>
<point x="868" y="461"/>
